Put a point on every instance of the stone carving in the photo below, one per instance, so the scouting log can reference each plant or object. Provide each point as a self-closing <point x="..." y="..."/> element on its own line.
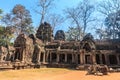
<point x="60" y="35"/>
<point x="45" y="32"/>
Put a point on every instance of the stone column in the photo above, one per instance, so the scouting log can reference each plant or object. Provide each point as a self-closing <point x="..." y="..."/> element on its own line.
<point x="43" y="57"/>
<point x="22" y="53"/>
<point x="58" y="55"/>
<point x="47" y="53"/>
<point x="73" y="58"/>
<point x="13" y="56"/>
<point x="101" y="61"/>
<point x="38" y="57"/>
<point x="1" y="56"/>
<point x="76" y="58"/>
<point x="50" y="57"/>
<point x="118" y="61"/>
<point x="93" y="57"/>
<point x="17" y="55"/>
<point x="106" y="59"/>
<point x="82" y="57"/>
<point x="65" y="58"/>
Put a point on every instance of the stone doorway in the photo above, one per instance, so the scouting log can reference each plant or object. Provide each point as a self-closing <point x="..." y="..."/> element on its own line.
<point x="97" y="58"/>
<point x="87" y="59"/>
<point x="54" y="57"/>
<point x="41" y="57"/>
<point x="78" y="58"/>
<point x="103" y="59"/>
<point x="18" y="55"/>
<point x="62" y="58"/>
<point x="113" y="59"/>
<point x="69" y="58"/>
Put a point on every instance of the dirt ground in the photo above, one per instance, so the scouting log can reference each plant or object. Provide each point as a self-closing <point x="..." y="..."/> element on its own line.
<point x="53" y="74"/>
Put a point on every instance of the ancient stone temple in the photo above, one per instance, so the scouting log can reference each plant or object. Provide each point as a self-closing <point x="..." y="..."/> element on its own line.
<point x="39" y="51"/>
<point x="23" y="48"/>
<point x="85" y="52"/>
<point x="108" y="52"/>
<point x="29" y="49"/>
<point x="45" y="32"/>
<point x="45" y="50"/>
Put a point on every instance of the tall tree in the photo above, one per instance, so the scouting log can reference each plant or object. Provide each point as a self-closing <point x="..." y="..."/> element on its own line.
<point x="6" y="34"/>
<point x="55" y="20"/>
<point x="102" y="34"/>
<point x="22" y="19"/>
<point x="81" y="14"/>
<point x="73" y="33"/>
<point x="109" y="6"/>
<point x="1" y="13"/>
<point x="111" y="11"/>
<point x="7" y="19"/>
<point x="44" y="6"/>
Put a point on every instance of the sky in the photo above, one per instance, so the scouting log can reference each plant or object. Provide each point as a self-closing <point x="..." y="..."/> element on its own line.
<point x="60" y="5"/>
<point x="31" y="5"/>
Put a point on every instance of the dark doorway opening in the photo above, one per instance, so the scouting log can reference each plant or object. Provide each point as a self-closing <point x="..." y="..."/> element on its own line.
<point x="98" y="58"/>
<point x="17" y="54"/>
<point x="69" y="58"/>
<point x="62" y="58"/>
<point x="103" y="59"/>
<point x="41" y="57"/>
<point x="113" y="59"/>
<point x="49" y="57"/>
<point x="119" y="59"/>
<point x="78" y="58"/>
<point x="87" y="59"/>
<point x="54" y="57"/>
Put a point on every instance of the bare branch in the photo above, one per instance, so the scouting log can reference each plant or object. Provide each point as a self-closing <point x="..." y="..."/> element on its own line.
<point x="44" y="6"/>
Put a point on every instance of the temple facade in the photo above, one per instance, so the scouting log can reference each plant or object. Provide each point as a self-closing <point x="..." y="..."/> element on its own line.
<point x="57" y="52"/>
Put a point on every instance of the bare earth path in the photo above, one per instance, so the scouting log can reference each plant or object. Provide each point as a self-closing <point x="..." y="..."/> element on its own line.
<point x="80" y="75"/>
<point x="53" y="74"/>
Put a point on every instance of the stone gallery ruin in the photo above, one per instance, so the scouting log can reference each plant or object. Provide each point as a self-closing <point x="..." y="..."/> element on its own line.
<point x="44" y="50"/>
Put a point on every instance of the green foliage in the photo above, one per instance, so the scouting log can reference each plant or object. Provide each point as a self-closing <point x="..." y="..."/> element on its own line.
<point x="6" y="35"/>
<point x="73" y="34"/>
<point x="16" y="22"/>
<point x="21" y="19"/>
<point x="1" y="13"/>
<point x="101" y="33"/>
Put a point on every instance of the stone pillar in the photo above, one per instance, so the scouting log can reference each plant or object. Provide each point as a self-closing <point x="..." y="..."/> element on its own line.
<point x="93" y="57"/>
<point x="22" y="53"/>
<point x="1" y="56"/>
<point x="76" y="58"/>
<point x="73" y="58"/>
<point x="38" y="57"/>
<point x="65" y="58"/>
<point x="13" y="58"/>
<point x="101" y="61"/>
<point x="17" y="54"/>
<point x="106" y="60"/>
<point x="118" y="61"/>
<point x="43" y="57"/>
<point x="82" y="57"/>
<point x="50" y="57"/>
<point x="58" y="55"/>
<point x="46" y="59"/>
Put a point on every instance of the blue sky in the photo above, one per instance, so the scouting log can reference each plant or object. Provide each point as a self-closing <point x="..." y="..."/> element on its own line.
<point x="7" y="6"/>
<point x="60" y="5"/>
